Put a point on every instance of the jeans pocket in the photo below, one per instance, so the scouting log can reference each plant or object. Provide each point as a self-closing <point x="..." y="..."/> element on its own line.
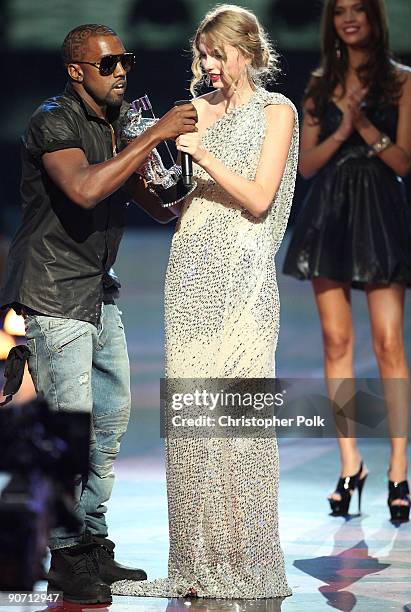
<point x="61" y="335"/>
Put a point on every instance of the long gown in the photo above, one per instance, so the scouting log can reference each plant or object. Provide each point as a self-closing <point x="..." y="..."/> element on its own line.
<point x="222" y="320"/>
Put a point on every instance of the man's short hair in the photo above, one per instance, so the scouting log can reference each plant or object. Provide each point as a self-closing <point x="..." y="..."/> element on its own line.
<point x="75" y="44"/>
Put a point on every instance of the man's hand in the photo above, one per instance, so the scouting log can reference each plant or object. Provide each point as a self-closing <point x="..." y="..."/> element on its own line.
<point x="179" y="120"/>
<point x="88" y="184"/>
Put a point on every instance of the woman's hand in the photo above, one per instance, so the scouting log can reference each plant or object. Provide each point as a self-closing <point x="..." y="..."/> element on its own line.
<point x="353" y="114"/>
<point x="355" y="99"/>
<point x="191" y="144"/>
<point x="346" y="127"/>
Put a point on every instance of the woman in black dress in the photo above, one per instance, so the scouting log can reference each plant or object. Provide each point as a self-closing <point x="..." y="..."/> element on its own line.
<point x="354" y="230"/>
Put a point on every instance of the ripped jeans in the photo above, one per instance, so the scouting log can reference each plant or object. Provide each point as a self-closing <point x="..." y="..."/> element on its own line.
<point x="78" y="366"/>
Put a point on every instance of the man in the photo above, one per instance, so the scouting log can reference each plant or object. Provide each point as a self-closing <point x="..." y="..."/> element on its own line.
<point x="59" y="276"/>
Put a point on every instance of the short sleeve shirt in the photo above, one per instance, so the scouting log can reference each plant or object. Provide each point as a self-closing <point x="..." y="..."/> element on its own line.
<point x="61" y="256"/>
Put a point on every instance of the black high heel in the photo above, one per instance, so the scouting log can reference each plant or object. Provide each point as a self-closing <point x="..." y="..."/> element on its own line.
<point x="399" y="490"/>
<point x="345" y="486"/>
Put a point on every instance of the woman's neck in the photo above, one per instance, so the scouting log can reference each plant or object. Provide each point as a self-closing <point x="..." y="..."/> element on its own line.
<point x="234" y="97"/>
<point x="356" y="57"/>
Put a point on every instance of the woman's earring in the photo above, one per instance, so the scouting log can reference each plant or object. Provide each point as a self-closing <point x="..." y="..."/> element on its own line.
<point x="338" y="48"/>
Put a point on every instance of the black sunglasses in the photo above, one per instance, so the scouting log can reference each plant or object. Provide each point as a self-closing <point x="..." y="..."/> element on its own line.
<point x="108" y="63"/>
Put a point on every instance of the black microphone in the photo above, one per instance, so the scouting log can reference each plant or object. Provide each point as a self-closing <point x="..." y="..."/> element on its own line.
<point x="186" y="159"/>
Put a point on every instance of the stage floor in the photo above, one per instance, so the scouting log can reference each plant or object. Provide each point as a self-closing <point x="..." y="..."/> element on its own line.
<point x="360" y="564"/>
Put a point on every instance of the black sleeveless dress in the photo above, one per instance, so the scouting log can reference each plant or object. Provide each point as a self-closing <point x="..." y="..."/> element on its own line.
<point x="355" y="224"/>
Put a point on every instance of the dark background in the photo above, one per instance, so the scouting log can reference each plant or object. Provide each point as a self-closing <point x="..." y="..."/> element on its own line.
<point x="159" y="32"/>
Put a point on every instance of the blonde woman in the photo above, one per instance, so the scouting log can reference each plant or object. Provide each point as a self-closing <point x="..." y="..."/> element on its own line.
<point x="222" y="314"/>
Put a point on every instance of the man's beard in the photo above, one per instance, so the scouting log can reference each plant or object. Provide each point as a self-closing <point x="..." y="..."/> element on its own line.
<point x="113" y="99"/>
<point x="110" y="99"/>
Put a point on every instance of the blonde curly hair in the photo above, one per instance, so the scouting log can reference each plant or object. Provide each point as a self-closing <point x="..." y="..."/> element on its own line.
<point x="239" y="27"/>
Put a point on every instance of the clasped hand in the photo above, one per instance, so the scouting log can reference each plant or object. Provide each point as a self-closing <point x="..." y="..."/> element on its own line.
<point x="355" y="99"/>
<point x="191" y="144"/>
<point x="353" y="117"/>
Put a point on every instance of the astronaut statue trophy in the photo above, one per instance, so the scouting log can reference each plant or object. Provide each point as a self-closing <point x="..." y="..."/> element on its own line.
<point x="165" y="183"/>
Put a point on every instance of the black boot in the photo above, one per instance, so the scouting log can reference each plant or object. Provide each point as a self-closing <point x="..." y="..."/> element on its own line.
<point x="110" y="571"/>
<point x="74" y="571"/>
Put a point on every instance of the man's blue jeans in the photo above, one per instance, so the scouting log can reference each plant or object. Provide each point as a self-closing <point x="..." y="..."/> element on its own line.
<point x="77" y="366"/>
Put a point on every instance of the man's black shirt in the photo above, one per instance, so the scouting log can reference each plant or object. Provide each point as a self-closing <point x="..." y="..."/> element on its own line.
<point x="61" y="255"/>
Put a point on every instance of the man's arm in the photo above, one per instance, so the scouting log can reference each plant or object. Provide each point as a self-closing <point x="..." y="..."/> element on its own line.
<point x="87" y="185"/>
<point x="148" y="201"/>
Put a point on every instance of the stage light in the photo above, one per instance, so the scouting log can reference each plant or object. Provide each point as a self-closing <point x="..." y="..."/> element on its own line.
<point x="14" y="324"/>
<point x="6" y="344"/>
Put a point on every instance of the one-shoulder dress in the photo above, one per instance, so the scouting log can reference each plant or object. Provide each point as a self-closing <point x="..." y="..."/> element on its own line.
<point x="222" y="321"/>
<point x="355" y="223"/>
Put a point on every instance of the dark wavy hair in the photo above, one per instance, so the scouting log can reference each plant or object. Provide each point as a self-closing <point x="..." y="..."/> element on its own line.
<point x="378" y="74"/>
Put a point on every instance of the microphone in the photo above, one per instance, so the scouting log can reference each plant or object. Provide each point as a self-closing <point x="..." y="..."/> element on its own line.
<point x="186" y="159"/>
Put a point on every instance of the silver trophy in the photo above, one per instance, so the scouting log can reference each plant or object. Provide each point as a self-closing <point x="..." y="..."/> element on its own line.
<point x="166" y="183"/>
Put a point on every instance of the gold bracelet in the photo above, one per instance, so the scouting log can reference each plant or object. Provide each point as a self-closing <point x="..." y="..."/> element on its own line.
<point x="382" y="143"/>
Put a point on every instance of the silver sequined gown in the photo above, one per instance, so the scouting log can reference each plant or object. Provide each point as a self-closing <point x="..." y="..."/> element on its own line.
<point x="222" y="320"/>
